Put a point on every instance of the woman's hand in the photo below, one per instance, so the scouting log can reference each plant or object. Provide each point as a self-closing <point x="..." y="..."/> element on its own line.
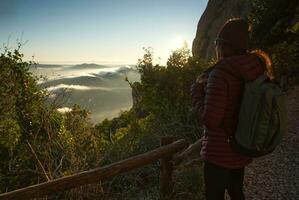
<point x="202" y="79"/>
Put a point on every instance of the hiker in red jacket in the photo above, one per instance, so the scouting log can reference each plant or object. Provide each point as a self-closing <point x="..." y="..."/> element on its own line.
<point x="217" y="97"/>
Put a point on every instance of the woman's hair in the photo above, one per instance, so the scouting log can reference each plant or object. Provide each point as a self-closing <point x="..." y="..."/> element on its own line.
<point x="265" y="58"/>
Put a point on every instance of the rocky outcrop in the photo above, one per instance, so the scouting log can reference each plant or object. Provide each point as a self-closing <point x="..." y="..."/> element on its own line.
<point x="215" y="14"/>
<point x="137" y="98"/>
<point x="136" y="90"/>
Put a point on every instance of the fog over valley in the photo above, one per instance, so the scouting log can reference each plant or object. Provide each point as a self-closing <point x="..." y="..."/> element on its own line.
<point x="101" y="89"/>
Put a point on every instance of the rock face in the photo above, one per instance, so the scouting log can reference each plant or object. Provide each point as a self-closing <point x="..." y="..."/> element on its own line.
<point x="214" y="16"/>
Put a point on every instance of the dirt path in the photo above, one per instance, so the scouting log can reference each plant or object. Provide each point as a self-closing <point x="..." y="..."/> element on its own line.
<point x="276" y="176"/>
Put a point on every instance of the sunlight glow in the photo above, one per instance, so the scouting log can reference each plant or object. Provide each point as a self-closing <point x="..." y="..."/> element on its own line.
<point x="177" y="42"/>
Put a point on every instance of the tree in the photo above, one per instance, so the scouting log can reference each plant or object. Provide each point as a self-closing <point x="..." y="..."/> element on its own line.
<point x="276" y="31"/>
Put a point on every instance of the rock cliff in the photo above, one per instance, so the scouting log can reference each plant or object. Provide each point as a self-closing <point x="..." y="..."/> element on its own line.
<point x="215" y="14"/>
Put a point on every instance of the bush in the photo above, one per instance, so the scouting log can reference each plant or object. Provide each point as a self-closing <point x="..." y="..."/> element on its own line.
<point x="275" y="31"/>
<point x="163" y="108"/>
<point x="37" y="142"/>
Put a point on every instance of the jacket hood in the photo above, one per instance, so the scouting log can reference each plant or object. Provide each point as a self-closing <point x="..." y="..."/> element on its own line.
<point x="251" y="65"/>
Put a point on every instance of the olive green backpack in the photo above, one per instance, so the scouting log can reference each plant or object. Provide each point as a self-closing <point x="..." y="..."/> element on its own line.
<point x="262" y="118"/>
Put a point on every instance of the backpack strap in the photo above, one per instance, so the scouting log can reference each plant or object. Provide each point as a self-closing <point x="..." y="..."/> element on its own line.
<point x="260" y="79"/>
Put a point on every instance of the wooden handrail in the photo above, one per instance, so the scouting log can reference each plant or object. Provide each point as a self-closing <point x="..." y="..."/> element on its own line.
<point x="183" y="155"/>
<point x="95" y="175"/>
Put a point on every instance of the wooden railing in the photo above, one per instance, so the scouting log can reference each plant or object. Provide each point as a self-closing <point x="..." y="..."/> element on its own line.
<point x="165" y="154"/>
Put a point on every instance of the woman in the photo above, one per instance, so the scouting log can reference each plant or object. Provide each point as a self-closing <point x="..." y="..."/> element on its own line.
<point x="217" y="96"/>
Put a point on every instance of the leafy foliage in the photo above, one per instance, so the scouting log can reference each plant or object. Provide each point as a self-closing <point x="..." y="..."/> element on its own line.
<point x="165" y="92"/>
<point x="37" y="142"/>
<point x="276" y="31"/>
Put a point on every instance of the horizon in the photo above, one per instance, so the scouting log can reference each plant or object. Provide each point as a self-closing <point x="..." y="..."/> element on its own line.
<point x="73" y="63"/>
<point x="100" y="32"/>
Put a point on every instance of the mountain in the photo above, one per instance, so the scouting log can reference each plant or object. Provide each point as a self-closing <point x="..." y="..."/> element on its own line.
<point x="88" y="66"/>
<point x="45" y="66"/>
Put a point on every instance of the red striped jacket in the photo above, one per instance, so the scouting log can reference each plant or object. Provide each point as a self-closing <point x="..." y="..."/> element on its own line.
<point x="219" y="105"/>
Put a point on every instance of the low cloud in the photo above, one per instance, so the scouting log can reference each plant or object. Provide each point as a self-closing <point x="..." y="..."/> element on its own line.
<point x="83" y="88"/>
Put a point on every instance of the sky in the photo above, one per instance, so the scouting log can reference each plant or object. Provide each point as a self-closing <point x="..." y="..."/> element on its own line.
<point x="98" y="31"/>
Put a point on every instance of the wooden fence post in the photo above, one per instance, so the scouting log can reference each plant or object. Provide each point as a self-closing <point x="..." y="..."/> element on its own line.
<point x="166" y="169"/>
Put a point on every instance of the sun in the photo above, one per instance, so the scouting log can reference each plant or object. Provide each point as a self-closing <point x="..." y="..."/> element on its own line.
<point x="177" y="42"/>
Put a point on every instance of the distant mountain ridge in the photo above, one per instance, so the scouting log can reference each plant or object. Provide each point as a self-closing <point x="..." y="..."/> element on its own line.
<point x="45" y="66"/>
<point x="73" y="66"/>
<point x="89" y="66"/>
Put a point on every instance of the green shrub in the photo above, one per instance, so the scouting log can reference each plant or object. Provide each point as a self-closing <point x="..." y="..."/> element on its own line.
<point x="276" y="32"/>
